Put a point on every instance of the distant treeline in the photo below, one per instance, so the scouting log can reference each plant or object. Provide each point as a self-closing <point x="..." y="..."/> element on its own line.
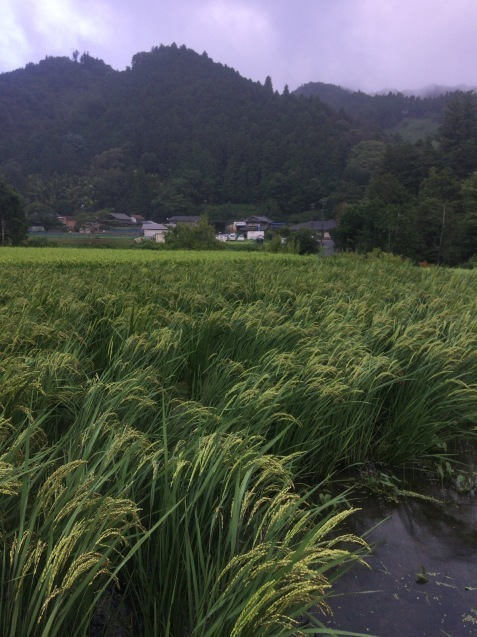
<point x="177" y="133"/>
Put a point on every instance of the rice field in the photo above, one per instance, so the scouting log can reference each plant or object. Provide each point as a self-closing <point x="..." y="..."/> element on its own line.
<point x="170" y="422"/>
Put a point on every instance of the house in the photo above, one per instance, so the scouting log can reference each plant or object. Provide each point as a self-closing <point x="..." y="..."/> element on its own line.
<point x="240" y="226"/>
<point x="155" y="231"/>
<point x="90" y="227"/>
<point x="69" y="222"/>
<point x="258" y="222"/>
<point x="323" y="227"/>
<point x="256" y="235"/>
<point x="138" y="218"/>
<point x="120" y="218"/>
<point x="189" y="219"/>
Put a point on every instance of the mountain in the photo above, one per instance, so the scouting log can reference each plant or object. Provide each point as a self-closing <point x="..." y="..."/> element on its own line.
<point x="177" y="133"/>
<point x="431" y="90"/>
<point x="171" y="132"/>
<point x="388" y="110"/>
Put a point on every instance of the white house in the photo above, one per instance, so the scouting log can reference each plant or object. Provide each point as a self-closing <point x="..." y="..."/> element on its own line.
<point x="256" y="234"/>
<point x="155" y="231"/>
<point x="258" y="222"/>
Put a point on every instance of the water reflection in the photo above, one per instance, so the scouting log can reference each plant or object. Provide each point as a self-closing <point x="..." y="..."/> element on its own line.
<point x="422" y="580"/>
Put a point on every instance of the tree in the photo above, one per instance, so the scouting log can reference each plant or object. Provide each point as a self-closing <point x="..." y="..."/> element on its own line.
<point x="306" y="241"/>
<point x="268" y="84"/>
<point x="383" y="220"/>
<point x="13" y="227"/>
<point x="198" y="237"/>
<point x="110" y="176"/>
<point x="365" y="160"/>
<point x="466" y="230"/>
<point x="458" y="135"/>
<point x="438" y="216"/>
<point x="410" y="163"/>
<point x="37" y="214"/>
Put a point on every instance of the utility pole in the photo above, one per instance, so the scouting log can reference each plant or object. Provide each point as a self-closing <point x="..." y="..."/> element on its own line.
<point x="323" y="204"/>
<point x="442" y="233"/>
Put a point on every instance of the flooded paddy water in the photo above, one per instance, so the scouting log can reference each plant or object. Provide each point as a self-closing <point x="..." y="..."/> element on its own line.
<point x="422" y="575"/>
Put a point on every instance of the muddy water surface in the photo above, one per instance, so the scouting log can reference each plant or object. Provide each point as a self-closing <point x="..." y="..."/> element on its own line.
<point x="422" y="580"/>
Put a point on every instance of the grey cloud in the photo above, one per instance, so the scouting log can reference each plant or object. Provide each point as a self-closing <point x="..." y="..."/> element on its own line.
<point x="367" y="44"/>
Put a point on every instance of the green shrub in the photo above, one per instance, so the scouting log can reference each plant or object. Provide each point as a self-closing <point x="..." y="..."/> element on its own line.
<point x="193" y="237"/>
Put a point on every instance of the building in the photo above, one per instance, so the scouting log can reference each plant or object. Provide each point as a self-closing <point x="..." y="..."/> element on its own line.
<point x="119" y="218"/>
<point x="256" y="235"/>
<point x="188" y="219"/>
<point x="258" y="222"/>
<point x="69" y="222"/>
<point x="323" y="227"/>
<point x="155" y="231"/>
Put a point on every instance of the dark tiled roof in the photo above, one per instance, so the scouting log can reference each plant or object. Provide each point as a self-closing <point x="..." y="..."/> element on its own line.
<point x="179" y="218"/>
<point x="259" y="219"/>
<point x="325" y="225"/>
<point x="119" y="216"/>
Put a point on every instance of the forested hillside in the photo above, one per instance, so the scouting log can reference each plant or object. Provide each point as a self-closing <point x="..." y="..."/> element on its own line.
<point x="385" y="111"/>
<point x="168" y="134"/>
<point x="177" y="133"/>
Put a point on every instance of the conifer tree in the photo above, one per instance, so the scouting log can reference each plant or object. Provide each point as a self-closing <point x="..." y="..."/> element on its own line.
<point x="13" y="227"/>
<point x="458" y="135"/>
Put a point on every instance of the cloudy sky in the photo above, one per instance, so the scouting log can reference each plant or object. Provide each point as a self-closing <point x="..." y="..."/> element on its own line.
<point x="366" y="44"/>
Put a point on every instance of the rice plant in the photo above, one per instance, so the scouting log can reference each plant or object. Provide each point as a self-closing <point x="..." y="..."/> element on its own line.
<point x="167" y="422"/>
